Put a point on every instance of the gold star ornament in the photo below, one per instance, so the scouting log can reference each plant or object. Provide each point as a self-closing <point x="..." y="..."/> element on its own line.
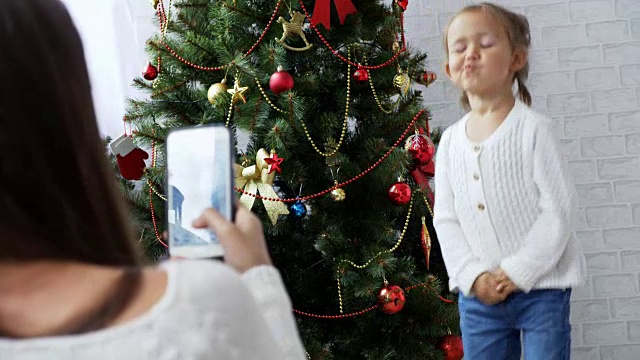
<point x="237" y="93"/>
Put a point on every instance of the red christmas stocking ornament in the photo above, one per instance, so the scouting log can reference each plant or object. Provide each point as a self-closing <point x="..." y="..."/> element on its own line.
<point x="130" y="158"/>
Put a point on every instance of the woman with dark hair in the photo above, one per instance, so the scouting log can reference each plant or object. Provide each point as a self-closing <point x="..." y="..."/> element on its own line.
<point x="72" y="282"/>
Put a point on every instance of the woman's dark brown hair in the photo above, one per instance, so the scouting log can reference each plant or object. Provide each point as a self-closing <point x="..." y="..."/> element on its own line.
<point x="58" y="196"/>
<point x="517" y="28"/>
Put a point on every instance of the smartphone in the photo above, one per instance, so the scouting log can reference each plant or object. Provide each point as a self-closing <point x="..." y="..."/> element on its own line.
<point x="199" y="176"/>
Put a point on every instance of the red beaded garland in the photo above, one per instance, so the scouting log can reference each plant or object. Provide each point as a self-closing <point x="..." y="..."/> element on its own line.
<point x="342" y="184"/>
<point x="163" y="19"/>
<point x="335" y="52"/>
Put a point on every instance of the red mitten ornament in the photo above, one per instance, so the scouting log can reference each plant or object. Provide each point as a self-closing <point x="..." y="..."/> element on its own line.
<point x="130" y="158"/>
<point x="150" y="73"/>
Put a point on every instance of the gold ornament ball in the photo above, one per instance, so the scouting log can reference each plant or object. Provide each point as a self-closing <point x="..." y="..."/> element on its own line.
<point x="215" y="90"/>
<point x="402" y="82"/>
<point x="338" y="195"/>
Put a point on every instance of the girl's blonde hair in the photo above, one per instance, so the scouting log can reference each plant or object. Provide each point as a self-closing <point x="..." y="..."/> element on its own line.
<point x="517" y="28"/>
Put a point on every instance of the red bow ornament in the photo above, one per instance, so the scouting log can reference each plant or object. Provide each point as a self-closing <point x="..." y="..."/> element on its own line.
<point x="322" y="11"/>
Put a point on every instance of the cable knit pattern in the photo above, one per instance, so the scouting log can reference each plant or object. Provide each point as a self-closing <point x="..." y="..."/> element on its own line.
<point x="207" y="312"/>
<point x="507" y="202"/>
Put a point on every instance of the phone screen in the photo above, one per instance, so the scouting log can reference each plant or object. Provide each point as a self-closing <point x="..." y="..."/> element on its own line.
<point x="198" y="177"/>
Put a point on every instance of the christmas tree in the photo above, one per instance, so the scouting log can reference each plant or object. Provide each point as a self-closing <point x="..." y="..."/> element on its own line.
<point x="337" y="163"/>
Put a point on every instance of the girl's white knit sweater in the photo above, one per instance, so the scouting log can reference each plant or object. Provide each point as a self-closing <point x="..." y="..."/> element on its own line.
<point x="507" y="202"/>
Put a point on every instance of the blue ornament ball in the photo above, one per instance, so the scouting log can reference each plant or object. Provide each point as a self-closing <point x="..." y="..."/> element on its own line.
<point x="298" y="209"/>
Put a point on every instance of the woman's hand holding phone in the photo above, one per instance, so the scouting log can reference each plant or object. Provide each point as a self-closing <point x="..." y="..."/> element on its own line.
<point x="243" y="241"/>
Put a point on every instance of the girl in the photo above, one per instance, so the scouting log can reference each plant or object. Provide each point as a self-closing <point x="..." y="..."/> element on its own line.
<point x="505" y="205"/>
<point x="72" y="281"/>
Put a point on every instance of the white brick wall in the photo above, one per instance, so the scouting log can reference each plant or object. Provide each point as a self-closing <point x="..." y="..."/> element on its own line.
<point x="586" y="76"/>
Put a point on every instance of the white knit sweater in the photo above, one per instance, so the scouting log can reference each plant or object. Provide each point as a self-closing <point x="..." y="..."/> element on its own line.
<point x="507" y="202"/>
<point x="207" y="312"/>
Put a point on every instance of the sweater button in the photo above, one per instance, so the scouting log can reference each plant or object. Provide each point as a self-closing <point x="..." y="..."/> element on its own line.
<point x="481" y="206"/>
<point x="476" y="148"/>
<point x="476" y="177"/>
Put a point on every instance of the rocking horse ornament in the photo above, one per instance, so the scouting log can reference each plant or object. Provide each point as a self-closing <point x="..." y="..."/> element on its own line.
<point x="293" y="27"/>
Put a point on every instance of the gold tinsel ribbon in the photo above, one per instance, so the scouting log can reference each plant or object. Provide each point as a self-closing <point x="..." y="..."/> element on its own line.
<point x="256" y="179"/>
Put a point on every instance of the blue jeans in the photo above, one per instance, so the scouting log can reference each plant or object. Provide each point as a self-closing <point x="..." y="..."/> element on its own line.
<point x="493" y="332"/>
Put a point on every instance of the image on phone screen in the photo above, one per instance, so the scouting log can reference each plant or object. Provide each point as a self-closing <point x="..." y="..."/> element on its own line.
<point x="198" y="166"/>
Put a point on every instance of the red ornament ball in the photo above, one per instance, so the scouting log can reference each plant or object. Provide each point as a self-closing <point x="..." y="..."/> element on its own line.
<point x="451" y="346"/>
<point x="421" y="149"/>
<point x="399" y="193"/>
<point x="150" y="73"/>
<point x="391" y="299"/>
<point x="361" y="75"/>
<point x="403" y="4"/>
<point x="426" y="78"/>
<point x="280" y="81"/>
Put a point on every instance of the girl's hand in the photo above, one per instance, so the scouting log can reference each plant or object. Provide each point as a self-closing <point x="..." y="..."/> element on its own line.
<point x="485" y="289"/>
<point x="505" y="285"/>
<point x="243" y="241"/>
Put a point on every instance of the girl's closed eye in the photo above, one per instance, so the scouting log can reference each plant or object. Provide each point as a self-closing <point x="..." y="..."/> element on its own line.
<point x="487" y="41"/>
<point x="458" y="48"/>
